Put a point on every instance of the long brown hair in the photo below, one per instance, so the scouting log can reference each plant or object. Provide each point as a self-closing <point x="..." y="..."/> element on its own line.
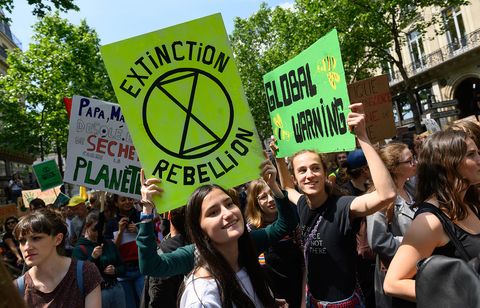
<point x="253" y="212"/>
<point x="438" y="174"/>
<point x="230" y="290"/>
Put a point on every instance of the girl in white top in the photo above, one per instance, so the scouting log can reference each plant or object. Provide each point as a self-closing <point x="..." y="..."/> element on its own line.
<point x="227" y="272"/>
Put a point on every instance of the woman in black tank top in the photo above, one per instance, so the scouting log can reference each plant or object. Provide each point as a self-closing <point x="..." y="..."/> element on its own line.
<point x="448" y="172"/>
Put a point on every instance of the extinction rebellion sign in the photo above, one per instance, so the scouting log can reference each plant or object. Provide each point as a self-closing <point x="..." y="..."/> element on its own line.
<point x="182" y="98"/>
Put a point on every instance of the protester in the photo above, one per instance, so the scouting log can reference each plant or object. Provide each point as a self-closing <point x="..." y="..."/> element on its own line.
<point x="329" y="222"/>
<point x="16" y="187"/>
<point x="36" y="204"/>
<point x="53" y="280"/>
<point x="106" y="257"/>
<point x="358" y="173"/>
<point x="79" y="209"/>
<point x="162" y="292"/>
<point x="447" y="172"/>
<point x="283" y="261"/>
<point x="122" y="229"/>
<point x="386" y="227"/>
<point x="339" y="174"/>
<point x="13" y="255"/>
<point x="181" y="261"/>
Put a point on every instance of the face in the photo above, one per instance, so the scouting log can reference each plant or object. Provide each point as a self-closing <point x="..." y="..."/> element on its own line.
<point x="266" y="202"/>
<point x="309" y="174"/>
<point x="80" y="209"/>
<point x="11" y="224"/>
<point x="38" y="247"/>
<point x="220" y="218"/>
<point x="407" y="165"/>
<point x="469" y="168"/>
<point x="92" y="232"/>
<point x="341" y="158"/>
<point x="124" y="204"/>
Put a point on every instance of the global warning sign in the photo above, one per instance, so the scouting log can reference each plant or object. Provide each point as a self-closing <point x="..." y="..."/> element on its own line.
<point x="182" y="98"/>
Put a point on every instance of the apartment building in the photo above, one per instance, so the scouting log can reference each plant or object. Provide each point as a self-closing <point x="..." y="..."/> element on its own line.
<point x="11" y="161"/>
<point x="443" y="67"/>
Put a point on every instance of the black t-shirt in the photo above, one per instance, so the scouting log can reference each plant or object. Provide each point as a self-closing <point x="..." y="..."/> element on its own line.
<point x="332" y="250"/>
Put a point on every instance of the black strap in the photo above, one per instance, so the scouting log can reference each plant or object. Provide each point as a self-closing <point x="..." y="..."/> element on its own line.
<point x="449" y="229"/>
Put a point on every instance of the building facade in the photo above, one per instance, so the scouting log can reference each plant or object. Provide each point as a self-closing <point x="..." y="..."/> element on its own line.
<point x="444" y="68"/>
<point x="11" y="161"/>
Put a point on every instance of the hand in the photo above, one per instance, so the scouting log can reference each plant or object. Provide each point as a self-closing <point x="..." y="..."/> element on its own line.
<point x="269" y="172"/>
<point x="122" y="224"/>
<point x="132" y="228"/>
<point x="109" y="270"/>
<point x="97" y="251"/>
<point x="273" y="145"/>
<point x="148" y="190"/>
<point x="281" y="303"/>
<point x="356" y="121"/>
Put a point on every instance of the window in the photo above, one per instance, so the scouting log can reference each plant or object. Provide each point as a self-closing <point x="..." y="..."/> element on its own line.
<point x="415" y="46"/>
<point x="425" y="97"/>
<point x="3" y="168"/>
<point x="388" y="69"/>
<point x="455" y="29"/>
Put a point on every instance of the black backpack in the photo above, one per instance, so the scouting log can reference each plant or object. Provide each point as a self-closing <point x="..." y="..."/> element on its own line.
<point x="448" y="282"/>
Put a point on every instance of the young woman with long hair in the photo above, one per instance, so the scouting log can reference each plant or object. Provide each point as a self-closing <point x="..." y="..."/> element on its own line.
<point x="227" y="272"/>
<point x="52" y="279"/>
<point x="385" y="228"/>
<point x="282" y="262"/>
<point x="329" y="223"/>
<point x="448" y="171"/>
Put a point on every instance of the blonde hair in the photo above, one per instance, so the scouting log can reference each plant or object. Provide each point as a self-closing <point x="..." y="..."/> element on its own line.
<point x="253" y="212"/>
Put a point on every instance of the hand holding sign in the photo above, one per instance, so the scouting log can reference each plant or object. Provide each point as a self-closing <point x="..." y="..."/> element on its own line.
<point x="269" y="175"/>
<point x="148" y="190"/>
<point x="356" y="121"/>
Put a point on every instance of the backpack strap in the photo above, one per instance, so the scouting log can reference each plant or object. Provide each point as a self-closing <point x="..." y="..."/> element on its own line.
<point x="21" y="285"/>
<point x="80" y="276"/>
<point x="448" y="227"/>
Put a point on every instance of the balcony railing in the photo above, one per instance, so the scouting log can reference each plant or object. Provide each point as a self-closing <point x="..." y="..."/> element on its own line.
<point x="450" y="51"/>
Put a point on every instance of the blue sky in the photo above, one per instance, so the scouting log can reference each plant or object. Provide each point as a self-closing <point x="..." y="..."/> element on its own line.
<point x="120" y="19"/>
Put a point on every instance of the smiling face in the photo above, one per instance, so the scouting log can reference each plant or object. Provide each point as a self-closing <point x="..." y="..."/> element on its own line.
<point x="39" y="247"/>
<point x="220" y="219"/>
<point x="308" y="173"/>
<point x="469" y="167"/>
<point x="267" y="203"/>
<point x="124" y="204"/>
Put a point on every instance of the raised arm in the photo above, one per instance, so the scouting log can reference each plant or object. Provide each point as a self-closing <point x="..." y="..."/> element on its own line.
<point x="284" y="175"/>
<point x="178" y="262"/>
<point x="385" y="188"/>
<point x="287" y="219"/>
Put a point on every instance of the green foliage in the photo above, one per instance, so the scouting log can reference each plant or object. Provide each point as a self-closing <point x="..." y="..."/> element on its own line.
<point x="63" y="60"/>
<point x="40" y="7"/>
<point x="371" y="33"/>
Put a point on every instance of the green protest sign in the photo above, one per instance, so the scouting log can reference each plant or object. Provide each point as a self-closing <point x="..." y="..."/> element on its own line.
<point x="184" y="104"/>
<point x="308" y="100"/>
<point x="48" y="175"/>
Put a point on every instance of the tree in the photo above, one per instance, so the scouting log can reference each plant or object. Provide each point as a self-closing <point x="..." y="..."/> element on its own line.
<point x="371" y="33"/>
<point x="40" y="7"/>
<point x="63" y="60"/>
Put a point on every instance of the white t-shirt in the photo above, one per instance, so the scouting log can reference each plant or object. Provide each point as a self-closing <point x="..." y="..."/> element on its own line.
<point x="203" y="292"/>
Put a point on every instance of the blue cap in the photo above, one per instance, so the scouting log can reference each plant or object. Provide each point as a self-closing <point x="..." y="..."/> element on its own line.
<point x="356" y="159"/>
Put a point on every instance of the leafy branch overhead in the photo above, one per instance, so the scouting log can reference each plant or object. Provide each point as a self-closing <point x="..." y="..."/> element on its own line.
<point x="40" y="7"/>
<point x="62" y="61"/>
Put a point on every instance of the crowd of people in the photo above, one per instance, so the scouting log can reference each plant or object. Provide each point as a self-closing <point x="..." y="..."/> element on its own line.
<point x="310" y="232"/>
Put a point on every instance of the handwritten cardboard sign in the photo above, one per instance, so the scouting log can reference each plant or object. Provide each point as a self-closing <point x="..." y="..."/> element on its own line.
<point x="100" y="152"/>
<point x="374" y="93"/>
